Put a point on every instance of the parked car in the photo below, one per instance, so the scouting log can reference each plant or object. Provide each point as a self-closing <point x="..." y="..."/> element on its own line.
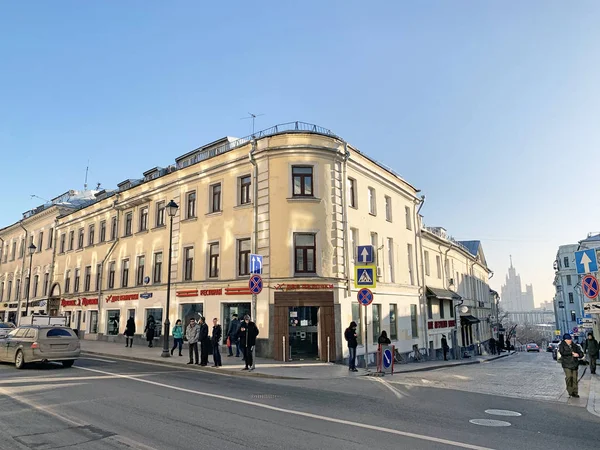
<point x="35" y="343"/>
<point x="5" y="328"/>
<point x="533" y="348"/>
<point x="552" y="345"/>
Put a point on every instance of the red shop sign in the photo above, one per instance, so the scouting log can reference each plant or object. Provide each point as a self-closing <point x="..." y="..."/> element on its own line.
<point x="238" y="291"/>
<point x="121" y="298"/>
<point x="187" y="293"/>
<point x="79" y="302"/>
<point x="302" y="287"/>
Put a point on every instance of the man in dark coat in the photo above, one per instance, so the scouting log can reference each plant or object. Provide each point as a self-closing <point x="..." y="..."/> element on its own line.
<point x="445" y="347"/>
<point x="129" y="332"/>
<point x="352" y="340"/>
<point x="204" y="342"/>
<point x="569" y="359"/>
<point x="217" y="333"/>
<point x="591" y="347"/>
<point x="232" y="333"/>
<point x="248" y="333"/>
<point x="493" y="346"/>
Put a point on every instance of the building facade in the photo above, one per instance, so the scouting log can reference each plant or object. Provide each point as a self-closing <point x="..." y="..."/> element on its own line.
<point x="512" y="296"/>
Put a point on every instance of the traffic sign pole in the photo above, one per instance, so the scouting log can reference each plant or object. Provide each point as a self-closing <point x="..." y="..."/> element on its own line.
<point x="366" y="342"/>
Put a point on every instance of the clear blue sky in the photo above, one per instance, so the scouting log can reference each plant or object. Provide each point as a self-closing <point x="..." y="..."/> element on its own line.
<point x="491" y="108"/>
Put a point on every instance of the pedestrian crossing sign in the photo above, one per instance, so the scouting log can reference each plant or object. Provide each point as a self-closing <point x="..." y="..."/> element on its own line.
<point x="365" y="276"/>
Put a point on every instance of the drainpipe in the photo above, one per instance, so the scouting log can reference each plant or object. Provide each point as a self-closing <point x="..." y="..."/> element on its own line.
<point x="421" y="272"/>
<point x="345" y="219"/>
<point x="52" y="265"/>
<point x="1" y="251"/>
<point x="255" y="240"/>
<point x="110" y="250"/>
<point x="22" y="273"/>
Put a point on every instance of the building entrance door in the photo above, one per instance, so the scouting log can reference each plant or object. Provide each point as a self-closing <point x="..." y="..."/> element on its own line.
<point x="303" y="332"/>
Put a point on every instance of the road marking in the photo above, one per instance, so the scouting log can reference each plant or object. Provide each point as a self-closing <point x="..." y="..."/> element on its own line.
<point x="502" y="412"/>
<point x="490" y="423"/>
<point x="389" y="386"/>
<point x="98" y="359"/>
<point x="297" y="413"/>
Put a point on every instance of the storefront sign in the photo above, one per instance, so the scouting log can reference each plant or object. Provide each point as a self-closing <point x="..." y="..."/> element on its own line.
<point x="302" y="287"/>
<point x="440" y="324"/>
<point x="79" y="302"/>
<point x="211" y="292"/>
<point x="187" y="293"/>
<point x="238" y="291"/>
<point x="121" y="298"/>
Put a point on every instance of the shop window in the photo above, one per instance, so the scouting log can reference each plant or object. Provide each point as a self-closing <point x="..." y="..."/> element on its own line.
<point x="189" y="310"/>
<point x="112" y="322"/>
<point x="157" y="313"/>
<point x="228" y="309"/>
<point x="393" y="322"/>
<point x="93" y="322"/>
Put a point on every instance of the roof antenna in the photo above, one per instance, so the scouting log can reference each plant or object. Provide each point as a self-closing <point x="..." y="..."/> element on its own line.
<point x="86" y="175"/>
<point x="37" y="196"/>
<point x="253" y="117"/>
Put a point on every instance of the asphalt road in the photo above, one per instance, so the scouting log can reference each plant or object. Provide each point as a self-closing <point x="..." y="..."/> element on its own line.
<point x="109" y="404"/>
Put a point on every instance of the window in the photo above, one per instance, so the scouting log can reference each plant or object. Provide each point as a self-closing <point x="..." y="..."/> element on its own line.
<point x="393" y="322"/>
<point x="98" y="276"/>
<point x="568" y="280"/>
<point x="374" y="243"/>
<point x="63" y="241"/>
<point x="80" y="238"/>
<point x="22" y="248"/>
<point x="245" y="183"/>
<point x="141" y="265"/>
<point x="442" y="315"/>
<point x="357" y="314"/>
<point x="91" y="236"/>
<point x="372" y="202"/>
<point x="67" y="281"/>
<point x="573" y="316"/>
<point x="407" y="217"/>
<point x="77" y="278"/>
<point x="1" y="291"/>
<point x="190" y="211"/>
<point x="429" y="309"/>
<point x="410" y="264"/>
<point x="426" y="258"/>
<point x="144" y="219"/>
<point x="18" y="290"/>
<point x="438" y="263"/>
<point x="390" y="249"/>
<point x="87" y="280"/>
<point x="352" y="193"/>
<point x="302" y="181"/>
<point x="71" y="239"/>
<point x="111" y="275"/>
<point x="160" y="214"/>
<point x="103" y="231"/>
<point x="45" y="286"/>
<point x="125" y="273"/>
<point x="215" y="198"/>
<point x="413" y="321"/>
<point x="14" y="251"/>
<point x="354" y="242"/>
<point x="128" y="223"/>
<point x="113" y="228"/>
<point x="571" y="298"/>
<point x="26" y="287"/>
<point x="451" y="309"/>
<point x="304" y="251"/>
<point x="388" y="208"/>
<point x="157" y="275"/>
<point x="566" y="262"/>
<point x="188" y="268"/>
<point x="51" y="238"/>
<point x="58" y="332"/>
<point x="40" y="241"/>
<point x="36" y="281"/>
<point x="243" y="246"/>
<point x="214" y="260"/>
<point x="376" y="322"/>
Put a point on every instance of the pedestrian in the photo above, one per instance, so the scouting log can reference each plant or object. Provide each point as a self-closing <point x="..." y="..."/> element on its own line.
<point x="383" y="339"/>
<point x="591" y="347"/>
<point x="192" y="334"/>
<point x="248" y="333"/>
<point x="217" y="333"/>
<point x="204" y="342"/>
<point x="352" y="339"/>
<point x="493" y="346"/>
<point x="569" y="359"/>
<point x="129" y="332"/>
<point x="445" y="347"/>
<point x="233" y="335"/>
<point x="177" y="337"/>
<point x="150" y="329"/>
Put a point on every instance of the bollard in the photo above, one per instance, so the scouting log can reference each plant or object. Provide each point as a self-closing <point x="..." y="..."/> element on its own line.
<point x="328" y="349"/>
<point x="284" y="359"/>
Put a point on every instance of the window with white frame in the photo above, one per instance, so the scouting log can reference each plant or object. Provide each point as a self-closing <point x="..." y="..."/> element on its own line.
<point x="190" y="211"/>
<point x="410" y="264"/>
<point x="426" y="258"/>
<point x="372" y="201"/>
<point x="354" y="242"/>
<point x="407" y="216"/>
<point x="352" y="200"/>
<point x="390" y="251"/>
<point x="388" y="208"/>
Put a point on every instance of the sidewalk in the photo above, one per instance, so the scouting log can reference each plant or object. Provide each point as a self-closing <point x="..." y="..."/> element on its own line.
<point x="593" y="405"/>
<point x="265" y="368"/>
<point x="439" y="364"/>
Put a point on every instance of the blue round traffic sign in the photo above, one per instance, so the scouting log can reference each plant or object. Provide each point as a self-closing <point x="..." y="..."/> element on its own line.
<point x="255" y="284"/>
<point x="365" y="297"/>
<point x="387" y="358"/>
<point x="590" y="286"/>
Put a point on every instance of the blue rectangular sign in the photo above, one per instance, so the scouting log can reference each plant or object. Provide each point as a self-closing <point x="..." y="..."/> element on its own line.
<point x="256" y="262"/>
<point x="586" y="261"/>
<point x="365" y="254"/>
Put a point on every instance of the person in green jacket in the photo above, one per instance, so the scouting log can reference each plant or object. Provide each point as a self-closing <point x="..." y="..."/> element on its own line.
<point x="177" y="337"/>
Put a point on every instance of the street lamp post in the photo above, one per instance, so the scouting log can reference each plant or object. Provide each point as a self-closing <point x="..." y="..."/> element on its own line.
<point x="171" y="211"/>
<point x="32" y="248"/>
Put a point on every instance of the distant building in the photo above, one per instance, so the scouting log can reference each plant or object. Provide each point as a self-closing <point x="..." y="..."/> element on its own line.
<point x="512" y="297"/>
<point x="546" y="306"/>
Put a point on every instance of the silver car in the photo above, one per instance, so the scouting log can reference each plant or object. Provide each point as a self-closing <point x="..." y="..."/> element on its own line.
<point x="34" y="343"/>
<point x="5" y="328"/>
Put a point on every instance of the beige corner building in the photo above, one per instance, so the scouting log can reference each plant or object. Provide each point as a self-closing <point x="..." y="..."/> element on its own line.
<point x="295" y="194"/>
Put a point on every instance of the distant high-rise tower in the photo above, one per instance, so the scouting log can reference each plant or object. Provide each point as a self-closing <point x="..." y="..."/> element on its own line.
<point x="512" y="297"/>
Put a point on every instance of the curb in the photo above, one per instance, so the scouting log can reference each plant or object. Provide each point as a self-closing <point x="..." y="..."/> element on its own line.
<point x="193" y="367"/>
<point x="591" y="405"/>
<point x="456" y="364"/>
